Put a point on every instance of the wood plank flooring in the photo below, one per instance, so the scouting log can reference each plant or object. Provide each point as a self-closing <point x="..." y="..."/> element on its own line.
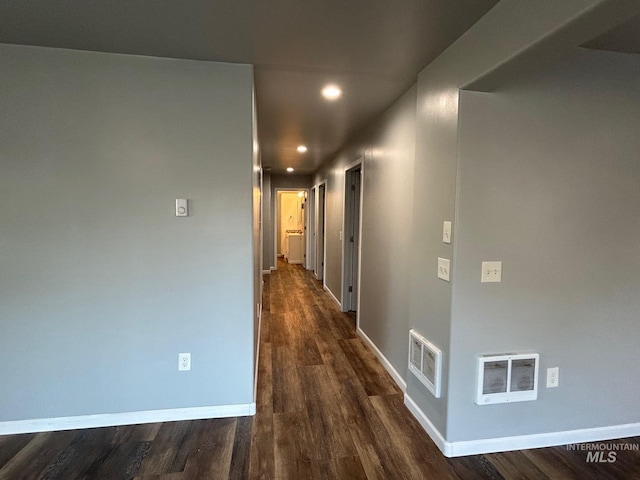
<point x="326" y="409"/>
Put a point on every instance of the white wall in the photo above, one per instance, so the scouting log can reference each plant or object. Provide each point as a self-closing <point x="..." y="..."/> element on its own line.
<point x="101" y="285"/>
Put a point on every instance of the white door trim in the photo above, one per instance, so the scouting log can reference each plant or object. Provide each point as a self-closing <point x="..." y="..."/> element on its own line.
<point x="276" y="220"/>
<point x="312" y="230"/>
<point x="357" y="164"/>
<point x="323" y="233"/>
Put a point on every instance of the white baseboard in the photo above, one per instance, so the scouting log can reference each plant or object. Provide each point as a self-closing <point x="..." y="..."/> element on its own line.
<point x="519" y="442"/>
<point x="385" y="363"/>
<point x="266" y="272"/>
<point x="429" y="427"/>
<point x="126" y="418"/>
<point x="333" y="297"/>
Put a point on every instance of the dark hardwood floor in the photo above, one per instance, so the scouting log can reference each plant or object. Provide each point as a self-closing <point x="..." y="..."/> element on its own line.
<point x="326" y="409"/>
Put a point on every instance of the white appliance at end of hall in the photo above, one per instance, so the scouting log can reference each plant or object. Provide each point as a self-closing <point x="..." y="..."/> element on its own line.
<point x="295" y="247"/>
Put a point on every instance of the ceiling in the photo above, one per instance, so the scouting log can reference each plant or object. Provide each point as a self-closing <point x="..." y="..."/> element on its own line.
<point x="624" y="38"/>
<point x="373" y="49"/>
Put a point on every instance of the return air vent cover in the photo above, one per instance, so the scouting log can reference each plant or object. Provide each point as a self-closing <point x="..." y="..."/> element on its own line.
<point x="509" y="377"/>
<point x="425" y="361"/>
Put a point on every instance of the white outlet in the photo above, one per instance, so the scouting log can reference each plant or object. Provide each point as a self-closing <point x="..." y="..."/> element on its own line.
<point x="553" y="377"/>
<point x="184" y="361"/>
<point x="444" y="266"/>
<point x="491" y="272"/>
<point x="446" y="232"/>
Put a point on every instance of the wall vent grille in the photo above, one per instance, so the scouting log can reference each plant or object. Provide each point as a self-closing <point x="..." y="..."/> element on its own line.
<point x="508" y="377"/>
<point x="425" y="362"/>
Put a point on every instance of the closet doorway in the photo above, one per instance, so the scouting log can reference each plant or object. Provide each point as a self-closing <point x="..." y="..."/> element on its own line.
<point x="351" y="237"/>
<point x="320" y="231"/>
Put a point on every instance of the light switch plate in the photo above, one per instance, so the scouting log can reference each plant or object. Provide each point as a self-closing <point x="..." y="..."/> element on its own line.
<point x="444" y="266"/>
<point x="446" y="232"/>
<point x="553" y="377"/>
<point x="182" y="207"/>
<point x="491" y="272"/>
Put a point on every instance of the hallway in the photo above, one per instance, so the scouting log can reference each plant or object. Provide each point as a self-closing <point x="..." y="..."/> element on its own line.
<point x="326" y="409"/>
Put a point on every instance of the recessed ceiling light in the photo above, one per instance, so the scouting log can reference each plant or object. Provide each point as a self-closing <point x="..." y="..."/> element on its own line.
<point x="301" y="148"/>
<point x="331" y="92"/>
<point x="289" y="169"/>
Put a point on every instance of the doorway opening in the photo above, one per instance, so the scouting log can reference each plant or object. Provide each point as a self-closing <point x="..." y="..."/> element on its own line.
<point x="311" y="230"/>
<point x="320" y="220"/>
<point x="291" y="222"/>
<point x="351" y="237"/>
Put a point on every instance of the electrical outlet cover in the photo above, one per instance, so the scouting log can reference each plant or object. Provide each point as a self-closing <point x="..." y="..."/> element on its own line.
<point x="184" y="361"/>
<point x="553" y="377"/>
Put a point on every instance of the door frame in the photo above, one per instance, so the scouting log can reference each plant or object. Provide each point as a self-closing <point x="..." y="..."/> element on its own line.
<point x="347" y="219"/>
<point x="311" y="228"/>
<point x="321" y="267"/>
<point x="276" y="217"/>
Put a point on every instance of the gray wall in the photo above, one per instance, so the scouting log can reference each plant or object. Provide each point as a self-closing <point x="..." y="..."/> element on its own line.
<point x="549" y="183"/>
<point x="333" y="174"/>
<point x="290" y="181"/>
<point x="101" y="285"/>
<point x="256" y="234"/>
<point x="267" y="224"/>
<point x="531" y="37"/>
<point x="387" y="147"/>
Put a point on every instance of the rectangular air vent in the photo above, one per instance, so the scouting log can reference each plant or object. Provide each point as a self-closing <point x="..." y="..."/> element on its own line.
<point x="425" y="361"/>
<point x="508" y="377"/>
